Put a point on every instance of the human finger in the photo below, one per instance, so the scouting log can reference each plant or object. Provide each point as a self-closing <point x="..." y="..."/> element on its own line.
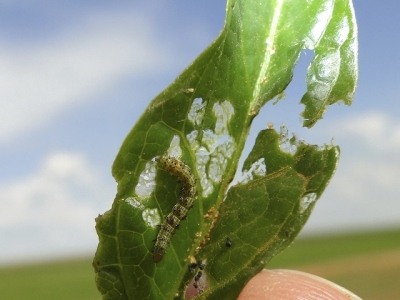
<point x="289" y="284"/>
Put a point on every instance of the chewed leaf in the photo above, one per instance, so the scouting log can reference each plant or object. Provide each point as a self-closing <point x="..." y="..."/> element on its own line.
<point x="165" y="210"/>
<point x="261" y="217"/>
<point x="333" y="73"/>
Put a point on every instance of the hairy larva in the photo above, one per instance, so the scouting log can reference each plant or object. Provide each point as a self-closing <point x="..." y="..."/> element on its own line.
<point x="197" y="277"/>
<point x="185" y="202"/>
<point x="201" y="265"/>
<point x="192" y="267"/>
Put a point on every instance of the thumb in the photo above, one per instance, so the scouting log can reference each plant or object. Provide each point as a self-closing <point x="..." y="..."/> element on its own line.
<point x="289" y="284"/>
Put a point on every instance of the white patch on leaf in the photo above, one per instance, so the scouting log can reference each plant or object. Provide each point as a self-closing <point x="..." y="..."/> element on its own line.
<point x="212" y="147"/>
<point x="146" y="183"/>
<point x="151" y="217"/>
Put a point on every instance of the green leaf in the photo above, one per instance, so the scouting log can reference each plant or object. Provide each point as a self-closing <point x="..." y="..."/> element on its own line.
<point x="333" y="73"/>
<point x="203" y="119"/>
<point x="261" y="217"/>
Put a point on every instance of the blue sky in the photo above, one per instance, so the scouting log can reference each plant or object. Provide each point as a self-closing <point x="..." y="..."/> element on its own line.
<point x="76" y="75"/>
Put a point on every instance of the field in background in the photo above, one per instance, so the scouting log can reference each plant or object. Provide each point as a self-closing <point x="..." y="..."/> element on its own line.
<point x="367" y="263"/>
<point x="63" y="280"/>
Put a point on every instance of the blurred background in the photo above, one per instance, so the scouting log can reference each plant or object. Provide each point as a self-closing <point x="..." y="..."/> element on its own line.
<point x="76" y="75"/>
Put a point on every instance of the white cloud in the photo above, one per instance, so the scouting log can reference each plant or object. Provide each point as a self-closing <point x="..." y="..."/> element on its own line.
<point x="379" y="130"/>
<point x="365" y="189"/>
<point x="52" y="210"/>
<point x="41" y="78"/>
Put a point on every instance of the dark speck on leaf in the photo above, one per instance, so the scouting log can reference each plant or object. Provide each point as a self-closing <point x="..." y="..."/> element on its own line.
<point x="201" y="265"/>
<point x="192" y="267"/>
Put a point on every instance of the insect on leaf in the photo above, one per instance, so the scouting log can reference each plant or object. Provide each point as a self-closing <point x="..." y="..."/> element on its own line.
<point x="176" y="228"/>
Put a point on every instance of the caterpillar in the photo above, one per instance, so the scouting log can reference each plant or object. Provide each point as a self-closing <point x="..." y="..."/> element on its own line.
<point x="179" y="211"/>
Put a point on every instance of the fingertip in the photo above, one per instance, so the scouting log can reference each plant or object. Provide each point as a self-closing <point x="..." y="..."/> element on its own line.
<point x="289" y="284"/>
